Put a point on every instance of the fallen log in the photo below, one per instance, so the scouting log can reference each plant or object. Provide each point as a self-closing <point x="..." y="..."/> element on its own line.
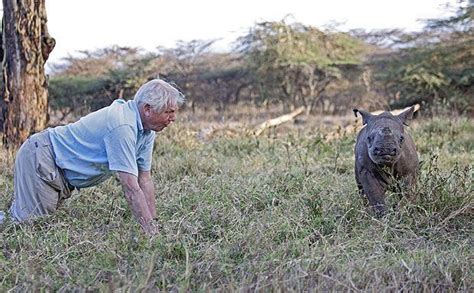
<point x="396" y="111"/>
<point x="213" y="131"/>
<point x="259" y="129"/>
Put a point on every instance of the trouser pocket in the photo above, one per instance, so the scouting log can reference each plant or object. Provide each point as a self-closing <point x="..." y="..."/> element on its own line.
<point x="46" y="168"/>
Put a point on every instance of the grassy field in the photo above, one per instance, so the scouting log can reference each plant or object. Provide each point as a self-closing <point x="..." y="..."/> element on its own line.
<point x="277" y="212"/>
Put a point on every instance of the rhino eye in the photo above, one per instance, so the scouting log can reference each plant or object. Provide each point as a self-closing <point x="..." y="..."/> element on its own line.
<point x="402" y="139"/>
<point x="370" y="138"/>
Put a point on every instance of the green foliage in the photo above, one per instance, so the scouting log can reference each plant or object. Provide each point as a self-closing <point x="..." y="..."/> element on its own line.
<point x="92" y="82"/>
<point x="276" y="44"/>
<point x="277" y="213"/>
<point x="295" y="63"/>
<point x="435" y="66"/>
<point x="73" y="92"/>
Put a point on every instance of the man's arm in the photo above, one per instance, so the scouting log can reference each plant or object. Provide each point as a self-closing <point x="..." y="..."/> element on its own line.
<point x="137" y="201"/>
<point x="146" y="184"/>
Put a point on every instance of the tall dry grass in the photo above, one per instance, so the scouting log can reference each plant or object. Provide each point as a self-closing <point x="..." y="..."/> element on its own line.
<point x="240" y="213"/>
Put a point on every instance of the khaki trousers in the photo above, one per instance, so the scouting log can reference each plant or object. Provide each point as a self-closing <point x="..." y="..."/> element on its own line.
<point x="39" y="185"/>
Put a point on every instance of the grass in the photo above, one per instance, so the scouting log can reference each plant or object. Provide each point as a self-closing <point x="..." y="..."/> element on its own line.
<point x="277" y="212"/>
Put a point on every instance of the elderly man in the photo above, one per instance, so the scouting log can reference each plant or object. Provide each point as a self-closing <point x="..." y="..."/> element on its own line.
<point x="118" y="138"/>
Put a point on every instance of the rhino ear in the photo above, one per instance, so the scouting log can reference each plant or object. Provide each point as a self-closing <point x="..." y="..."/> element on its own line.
<point x="406" y="115"/>
<point x="366" y="116"/>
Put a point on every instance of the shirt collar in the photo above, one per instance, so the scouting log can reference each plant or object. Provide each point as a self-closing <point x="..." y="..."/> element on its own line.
<point x="134" y="107"/>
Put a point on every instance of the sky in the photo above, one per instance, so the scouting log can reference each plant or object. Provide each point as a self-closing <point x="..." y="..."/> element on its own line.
<point x="93" y="24"/>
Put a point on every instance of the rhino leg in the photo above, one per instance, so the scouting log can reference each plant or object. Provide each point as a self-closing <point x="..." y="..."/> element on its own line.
<point x="359" y="185"/>
<point x="374" y="189"/>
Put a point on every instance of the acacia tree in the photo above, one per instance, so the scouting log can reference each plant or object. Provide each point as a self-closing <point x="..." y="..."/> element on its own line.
<point x="295" y="63"/>
<point x="26" y="46"/>
<point x="206" y="77"/>
<point x="434" y="67"/>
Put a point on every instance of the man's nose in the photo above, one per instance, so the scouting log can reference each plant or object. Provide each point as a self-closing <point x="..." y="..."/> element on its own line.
<point x="172" y="117"/>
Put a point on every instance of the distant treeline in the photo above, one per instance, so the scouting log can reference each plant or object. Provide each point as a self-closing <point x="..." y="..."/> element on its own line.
<point x="291" y="65"/>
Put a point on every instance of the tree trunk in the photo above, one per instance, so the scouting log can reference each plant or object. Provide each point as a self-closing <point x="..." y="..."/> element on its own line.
<point x="26" y="47"/>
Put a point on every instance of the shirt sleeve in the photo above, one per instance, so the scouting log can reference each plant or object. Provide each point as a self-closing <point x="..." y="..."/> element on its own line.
<point x="120" y="146"/>
<point x="145" y="153"/>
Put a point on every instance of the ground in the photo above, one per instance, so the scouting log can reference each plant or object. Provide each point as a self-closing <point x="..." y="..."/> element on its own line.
<point x="276" y="212"/>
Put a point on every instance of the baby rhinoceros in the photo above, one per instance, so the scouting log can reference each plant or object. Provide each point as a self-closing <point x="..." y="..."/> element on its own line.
<point x="383" y="152"/>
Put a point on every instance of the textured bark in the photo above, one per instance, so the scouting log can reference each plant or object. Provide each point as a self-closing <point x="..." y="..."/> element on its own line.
<point x="26" y="47"/>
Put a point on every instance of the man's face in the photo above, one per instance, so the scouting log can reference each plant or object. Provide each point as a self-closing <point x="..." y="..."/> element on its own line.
<point x="158" y="121"/>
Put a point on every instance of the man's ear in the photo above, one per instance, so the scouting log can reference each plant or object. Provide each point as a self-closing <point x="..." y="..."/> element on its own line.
<point x="366" y="116"/>
<point x="146" y="109"/>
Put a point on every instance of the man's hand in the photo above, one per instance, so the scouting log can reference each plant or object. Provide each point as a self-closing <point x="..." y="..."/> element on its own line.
<point x="146" y="184"/>
<point x="137" y="202"/>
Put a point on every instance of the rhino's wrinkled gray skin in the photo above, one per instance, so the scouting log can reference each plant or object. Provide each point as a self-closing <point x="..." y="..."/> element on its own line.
<point x="384" y="151"/>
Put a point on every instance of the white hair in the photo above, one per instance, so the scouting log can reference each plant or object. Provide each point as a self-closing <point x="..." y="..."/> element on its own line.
<point x="159" y="95"/>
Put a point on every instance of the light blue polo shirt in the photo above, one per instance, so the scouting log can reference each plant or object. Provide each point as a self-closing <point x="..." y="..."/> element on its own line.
<point x="110" y="139"/>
